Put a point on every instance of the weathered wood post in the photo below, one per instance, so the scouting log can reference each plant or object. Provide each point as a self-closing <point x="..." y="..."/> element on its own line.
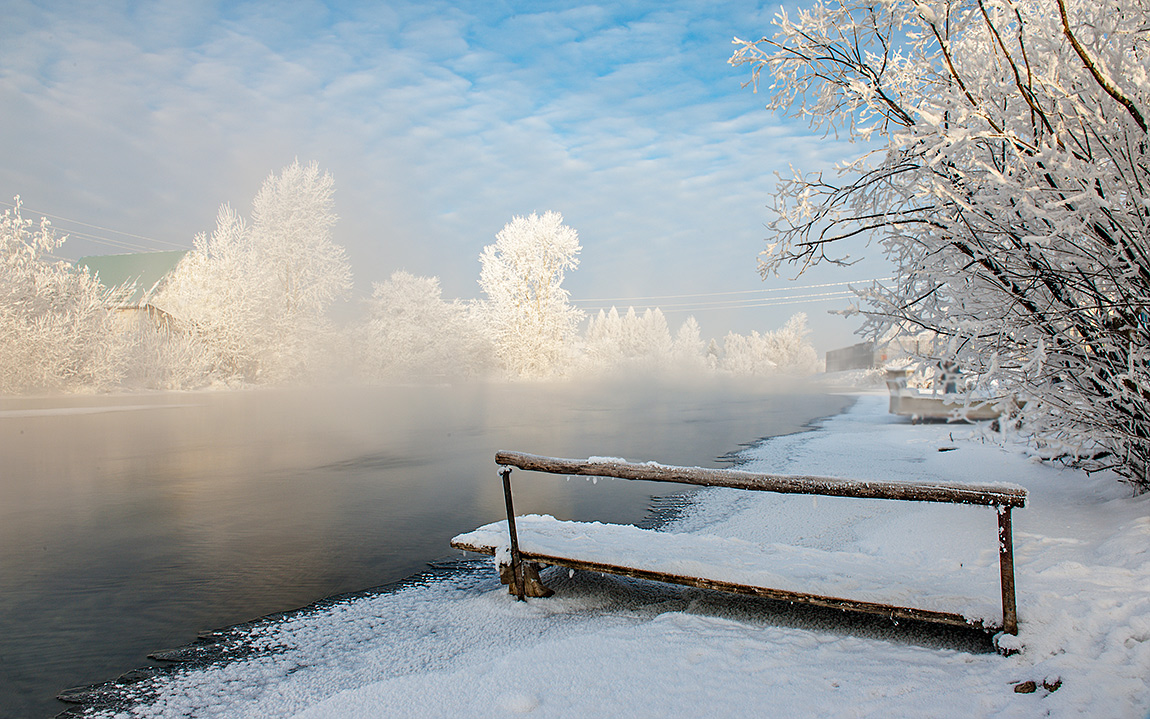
<point x="1006" y="570"/>
<point x="516" y="560"/>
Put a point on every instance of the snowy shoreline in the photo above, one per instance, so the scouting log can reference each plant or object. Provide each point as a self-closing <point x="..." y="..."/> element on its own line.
<point x="458" y="645"/>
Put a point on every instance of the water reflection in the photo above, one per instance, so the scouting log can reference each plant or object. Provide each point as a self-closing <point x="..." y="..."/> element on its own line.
<point x="128" y="524"/>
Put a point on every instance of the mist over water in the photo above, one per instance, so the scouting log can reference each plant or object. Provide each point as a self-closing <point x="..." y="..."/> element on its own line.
<point x="129" y="523"/>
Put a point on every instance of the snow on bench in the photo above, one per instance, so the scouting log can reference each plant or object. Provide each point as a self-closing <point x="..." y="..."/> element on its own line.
<point x="777" y="571"/>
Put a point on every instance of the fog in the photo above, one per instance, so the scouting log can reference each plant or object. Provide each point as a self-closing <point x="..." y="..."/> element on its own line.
<point x="253" y="304"/>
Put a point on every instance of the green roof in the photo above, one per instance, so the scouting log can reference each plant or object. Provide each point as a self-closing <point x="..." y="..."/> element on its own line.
<point x="144" y="268"/>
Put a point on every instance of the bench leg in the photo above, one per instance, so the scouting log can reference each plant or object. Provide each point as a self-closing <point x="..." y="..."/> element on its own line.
<point x="521" y="578"/>
<point x="514" y="580"/>
<point x="1006" y="571"/>
<point x="528" y="580"/>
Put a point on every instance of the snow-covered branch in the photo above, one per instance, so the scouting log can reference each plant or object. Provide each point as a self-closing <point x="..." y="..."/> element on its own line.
<point x="1012" y="195"/>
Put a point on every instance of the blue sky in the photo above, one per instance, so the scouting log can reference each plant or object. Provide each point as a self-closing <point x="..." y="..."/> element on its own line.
<point x="439" y="120"/>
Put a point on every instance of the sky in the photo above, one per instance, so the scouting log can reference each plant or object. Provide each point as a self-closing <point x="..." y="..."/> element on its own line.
<point x="130" y="123"/>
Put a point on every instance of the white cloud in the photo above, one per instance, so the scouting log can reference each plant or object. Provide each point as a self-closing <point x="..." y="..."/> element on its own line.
<point x="439" y="121"/>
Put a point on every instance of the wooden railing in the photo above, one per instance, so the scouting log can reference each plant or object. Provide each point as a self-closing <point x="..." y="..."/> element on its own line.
<point x="1003" y="498"/>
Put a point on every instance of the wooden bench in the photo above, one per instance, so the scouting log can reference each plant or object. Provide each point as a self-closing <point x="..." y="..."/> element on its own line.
<point x="522" y="544"/>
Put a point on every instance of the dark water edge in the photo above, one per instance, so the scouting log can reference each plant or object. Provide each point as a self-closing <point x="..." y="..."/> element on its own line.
<point x="228" y="644"/>
<point x="688" y="425"/>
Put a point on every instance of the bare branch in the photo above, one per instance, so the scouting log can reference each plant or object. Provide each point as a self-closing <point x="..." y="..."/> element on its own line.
<point x="1106" y="84"/>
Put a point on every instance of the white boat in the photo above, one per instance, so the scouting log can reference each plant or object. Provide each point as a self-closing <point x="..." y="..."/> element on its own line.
<point x="909" y="402"/>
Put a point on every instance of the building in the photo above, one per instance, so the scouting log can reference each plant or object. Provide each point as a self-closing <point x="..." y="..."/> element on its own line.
<point x="860" y="356"/>
<point x="139" y="275"/>
<point x="142" y="271"/>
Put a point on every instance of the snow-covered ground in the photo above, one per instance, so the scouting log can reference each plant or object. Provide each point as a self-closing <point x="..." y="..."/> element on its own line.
<point x="459" y="646"/>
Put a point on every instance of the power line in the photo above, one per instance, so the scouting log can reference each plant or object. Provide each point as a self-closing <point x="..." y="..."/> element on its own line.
<point x="98" y="239"/>
<point x="733" y="303"/>
<point x="749" y="302"/>
<point x="734" y="292"/>
<point x="741" y="304"/>
<point x="118" y="244"/>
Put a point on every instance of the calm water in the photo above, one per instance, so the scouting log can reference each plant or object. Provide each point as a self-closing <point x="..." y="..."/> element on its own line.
<point x="129" y="524"/>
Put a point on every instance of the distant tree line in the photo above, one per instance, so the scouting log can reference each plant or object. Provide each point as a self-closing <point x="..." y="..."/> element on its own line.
<point x="250" y="304"/>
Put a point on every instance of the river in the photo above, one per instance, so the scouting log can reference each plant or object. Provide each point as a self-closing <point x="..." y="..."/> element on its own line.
<point x="130" y="523"/>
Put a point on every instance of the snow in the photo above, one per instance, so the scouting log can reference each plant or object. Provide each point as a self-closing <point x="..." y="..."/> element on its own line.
<point x="459" y="645"/>
<point x="971" y="591"/>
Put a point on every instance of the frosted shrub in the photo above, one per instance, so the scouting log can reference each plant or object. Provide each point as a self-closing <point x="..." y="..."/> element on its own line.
<point x="614" y="342"/>
<point x="746" y="355"/>
<point x="785" y="350"/>
<point x="689" y="351"/>
<point x="159" y="353"/>
<point x="790" y="350"/>
<point x="527" y="314"/>
<point x="257" y="295"/>
<point x="412" y="333"/>
<point x="55" y="328"/>
<point x="1011" y="190"/>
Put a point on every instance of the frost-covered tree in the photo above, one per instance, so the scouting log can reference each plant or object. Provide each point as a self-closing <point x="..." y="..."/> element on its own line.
<point x="292" y="218"/>
<point x="785" y="351"/>
<point x="527" y="313"/>
<point x="1011" y="189"/>
<point x="55" y="326"/>
<point x="257" y="294"/>
<point x="792" y="351"/>
<point x="747" y="355"/>
<point x="689" y="351"/>
<point x="614" y="342"/>
<point x="216" y="291"/>
<point x="411" y="332"/>
<point x="713" y="353"/>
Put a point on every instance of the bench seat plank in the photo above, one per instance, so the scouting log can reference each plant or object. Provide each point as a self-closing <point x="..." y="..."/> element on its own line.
<point x="779" y="571"/>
